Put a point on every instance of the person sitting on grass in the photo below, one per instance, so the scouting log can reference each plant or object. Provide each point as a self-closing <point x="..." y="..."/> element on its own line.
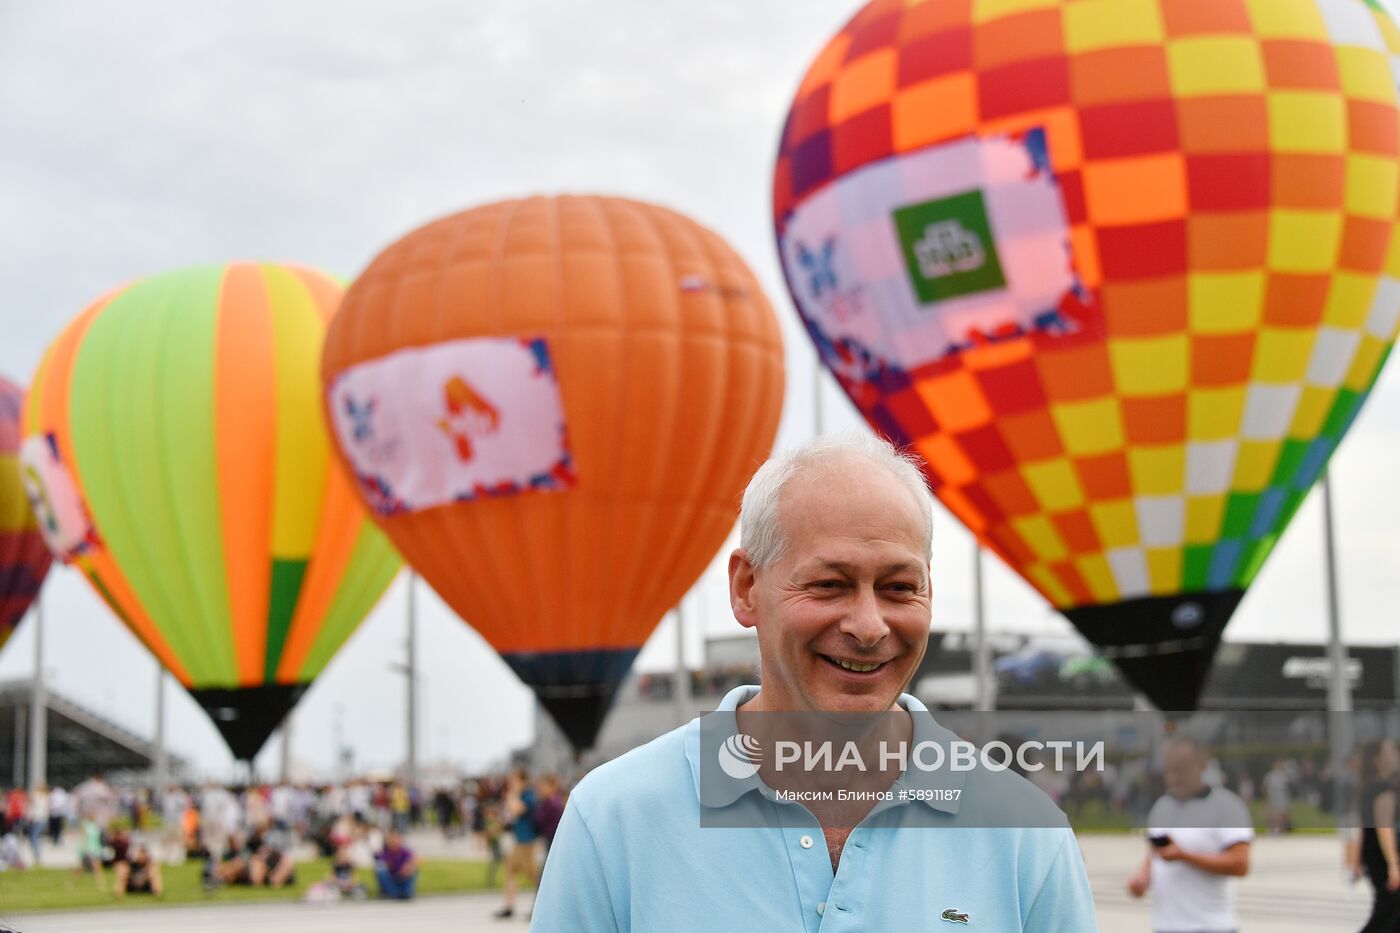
<point x="232" y="865"/>
<point x="343" y="873"/>
<point x="137" y="873"/>
<point x="270" y="866"/>
<point x="396" y="868"/>
<point x="340" y="883"/>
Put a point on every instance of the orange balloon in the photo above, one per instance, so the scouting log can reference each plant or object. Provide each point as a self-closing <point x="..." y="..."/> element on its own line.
<point x="552" y="407"/>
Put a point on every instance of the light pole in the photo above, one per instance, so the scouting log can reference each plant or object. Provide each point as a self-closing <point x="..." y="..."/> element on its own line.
<point x="1338" y="688"/>
<point x="38" y="707"/>
<point x="411" y="765"/>
<point x="981" y="649"/>
<point x="410" y="671"/>
<point x="161" y="766"/>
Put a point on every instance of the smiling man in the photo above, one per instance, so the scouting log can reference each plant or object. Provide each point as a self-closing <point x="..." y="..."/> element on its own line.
<point x="833" y="574"/>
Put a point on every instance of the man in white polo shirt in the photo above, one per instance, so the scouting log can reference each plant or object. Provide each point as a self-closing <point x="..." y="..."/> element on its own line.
<point x="1199" y="838"/>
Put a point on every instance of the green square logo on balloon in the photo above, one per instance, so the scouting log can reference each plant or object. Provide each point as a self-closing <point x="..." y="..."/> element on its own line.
<point x="949" y="247"/>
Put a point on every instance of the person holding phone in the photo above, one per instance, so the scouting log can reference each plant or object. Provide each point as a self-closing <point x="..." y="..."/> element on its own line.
<point x="1199" y="839"/>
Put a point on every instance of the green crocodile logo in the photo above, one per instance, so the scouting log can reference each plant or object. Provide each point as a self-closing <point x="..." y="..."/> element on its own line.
<point x="953" y="915"/>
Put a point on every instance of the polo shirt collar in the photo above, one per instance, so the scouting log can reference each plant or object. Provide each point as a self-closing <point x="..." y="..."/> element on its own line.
<point x="926" y="729"/>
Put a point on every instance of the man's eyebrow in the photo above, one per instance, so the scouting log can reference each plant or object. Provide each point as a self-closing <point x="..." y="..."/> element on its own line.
<point x="848" y="569"/>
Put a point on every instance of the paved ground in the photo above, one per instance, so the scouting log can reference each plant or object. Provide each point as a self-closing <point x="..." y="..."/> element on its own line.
<point x="1295" y="887"/>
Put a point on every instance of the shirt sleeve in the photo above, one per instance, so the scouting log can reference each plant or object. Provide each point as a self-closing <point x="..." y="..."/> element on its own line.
<point x="574" y="896"/>
<point x="1237" y="826"/>
<point x="1064" y="902"/>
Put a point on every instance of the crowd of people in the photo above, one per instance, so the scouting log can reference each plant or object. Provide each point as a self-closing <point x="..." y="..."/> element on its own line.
<point x="252" y="835"/>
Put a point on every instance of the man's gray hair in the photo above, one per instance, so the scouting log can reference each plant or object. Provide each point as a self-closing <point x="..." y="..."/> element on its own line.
<point x="761" y="534"/>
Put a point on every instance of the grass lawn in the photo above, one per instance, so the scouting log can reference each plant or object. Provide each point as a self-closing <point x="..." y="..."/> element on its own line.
<point x="60" y="889"/>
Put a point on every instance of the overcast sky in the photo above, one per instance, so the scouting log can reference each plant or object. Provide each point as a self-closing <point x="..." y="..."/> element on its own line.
<point x="144" y="136"/>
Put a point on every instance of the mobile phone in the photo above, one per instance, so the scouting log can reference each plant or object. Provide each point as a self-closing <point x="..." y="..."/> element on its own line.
<point x="1160" y="841"/>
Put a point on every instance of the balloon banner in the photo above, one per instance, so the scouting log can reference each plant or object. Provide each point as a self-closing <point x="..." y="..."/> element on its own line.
<point x="419" y="432"/>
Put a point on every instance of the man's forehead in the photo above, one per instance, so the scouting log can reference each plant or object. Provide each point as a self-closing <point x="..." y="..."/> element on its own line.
<point x="881" y="564"/>
<point x="850" y="493"/>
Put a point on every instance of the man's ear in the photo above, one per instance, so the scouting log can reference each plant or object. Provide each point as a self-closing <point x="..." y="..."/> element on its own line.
<point x="741" y="588"/>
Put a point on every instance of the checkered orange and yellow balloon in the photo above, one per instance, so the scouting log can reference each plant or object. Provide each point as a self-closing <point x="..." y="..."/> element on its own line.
<point x="1121" y="271"/>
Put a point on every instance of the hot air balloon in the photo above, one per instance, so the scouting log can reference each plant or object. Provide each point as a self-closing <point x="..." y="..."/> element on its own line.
<point x="552" y="406"/>
<point x="23" y="558"/>
<point x="176" y="452"/>
<point x="1122" y="271"/>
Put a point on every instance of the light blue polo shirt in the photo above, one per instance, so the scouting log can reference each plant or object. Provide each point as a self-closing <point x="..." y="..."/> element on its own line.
<point x="631" y="855"/>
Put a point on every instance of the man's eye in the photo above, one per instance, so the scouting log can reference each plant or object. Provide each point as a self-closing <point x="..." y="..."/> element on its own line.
<point x="827" y="584"/>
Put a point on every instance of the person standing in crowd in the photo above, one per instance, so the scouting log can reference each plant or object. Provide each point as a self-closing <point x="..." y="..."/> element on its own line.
<point x="492" y="833"/>
<point x="16" y="803"/>
<point x="218" y="817"/>
<point x="173" y="804"/>
<point x="1278" y="792"/>
<point x="1380" y="763"/>
<point x="59" y="814"/>
<point x="444" y="808"/>
<point x="396" y="868"/>
<point x="520" y="806"/>
<point x="36" y="817"/>
<point x="400" y="807"/>
<point x="90" y="846"/>
<point x="1199" y="840"/>
<point x="548" y="811"/>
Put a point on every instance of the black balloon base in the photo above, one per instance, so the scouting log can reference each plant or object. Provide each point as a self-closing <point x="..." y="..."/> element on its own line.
<point x="246" y="716"/>
<point x="1163" y="645"/>
<point x="576" y="688"/>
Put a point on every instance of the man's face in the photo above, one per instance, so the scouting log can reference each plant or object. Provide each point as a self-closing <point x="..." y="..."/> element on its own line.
<point x="1182" y="767"/>
<point x="843" y="616"/>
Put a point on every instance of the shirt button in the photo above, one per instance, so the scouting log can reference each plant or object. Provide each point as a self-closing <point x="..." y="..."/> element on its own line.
<point x="805" y="842"/>
<point x="821" y="908"/>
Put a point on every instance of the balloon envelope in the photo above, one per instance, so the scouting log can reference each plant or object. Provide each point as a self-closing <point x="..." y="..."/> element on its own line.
<point x="23" y="558"/>
<point x="553" y="405"/>
<point x="1123" y="273"/>
<point x="175" y="444"/>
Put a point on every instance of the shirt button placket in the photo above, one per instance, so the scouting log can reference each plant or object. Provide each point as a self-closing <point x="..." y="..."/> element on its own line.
<point x="843" y="901"/>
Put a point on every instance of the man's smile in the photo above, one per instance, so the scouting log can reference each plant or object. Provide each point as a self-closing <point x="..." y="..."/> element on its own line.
<point x="851" y="666"/>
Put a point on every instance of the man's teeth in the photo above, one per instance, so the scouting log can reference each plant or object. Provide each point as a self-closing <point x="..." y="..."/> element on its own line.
<point x="853" y="666"/>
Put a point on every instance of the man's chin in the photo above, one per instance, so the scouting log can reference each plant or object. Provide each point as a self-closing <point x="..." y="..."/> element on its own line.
<point x="847" y="701"/>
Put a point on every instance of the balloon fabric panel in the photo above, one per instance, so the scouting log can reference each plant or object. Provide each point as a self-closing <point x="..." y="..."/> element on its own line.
<point x="24" y="560"/>
<point x="144" y="445"/>
<point x="1228" y="174"/>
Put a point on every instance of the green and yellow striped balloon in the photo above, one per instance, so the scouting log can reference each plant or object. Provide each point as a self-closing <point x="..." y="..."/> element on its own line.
<point x="175" y="448"/>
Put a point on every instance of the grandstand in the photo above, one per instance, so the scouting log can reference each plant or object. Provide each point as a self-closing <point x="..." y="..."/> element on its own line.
<point x="80" y="742"/>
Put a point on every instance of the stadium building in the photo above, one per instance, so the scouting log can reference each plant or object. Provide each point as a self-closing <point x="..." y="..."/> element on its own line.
<point x="80" y="743"/>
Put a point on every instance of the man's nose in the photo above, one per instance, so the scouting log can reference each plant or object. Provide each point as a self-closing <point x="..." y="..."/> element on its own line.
<point x="864" y="622"/>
